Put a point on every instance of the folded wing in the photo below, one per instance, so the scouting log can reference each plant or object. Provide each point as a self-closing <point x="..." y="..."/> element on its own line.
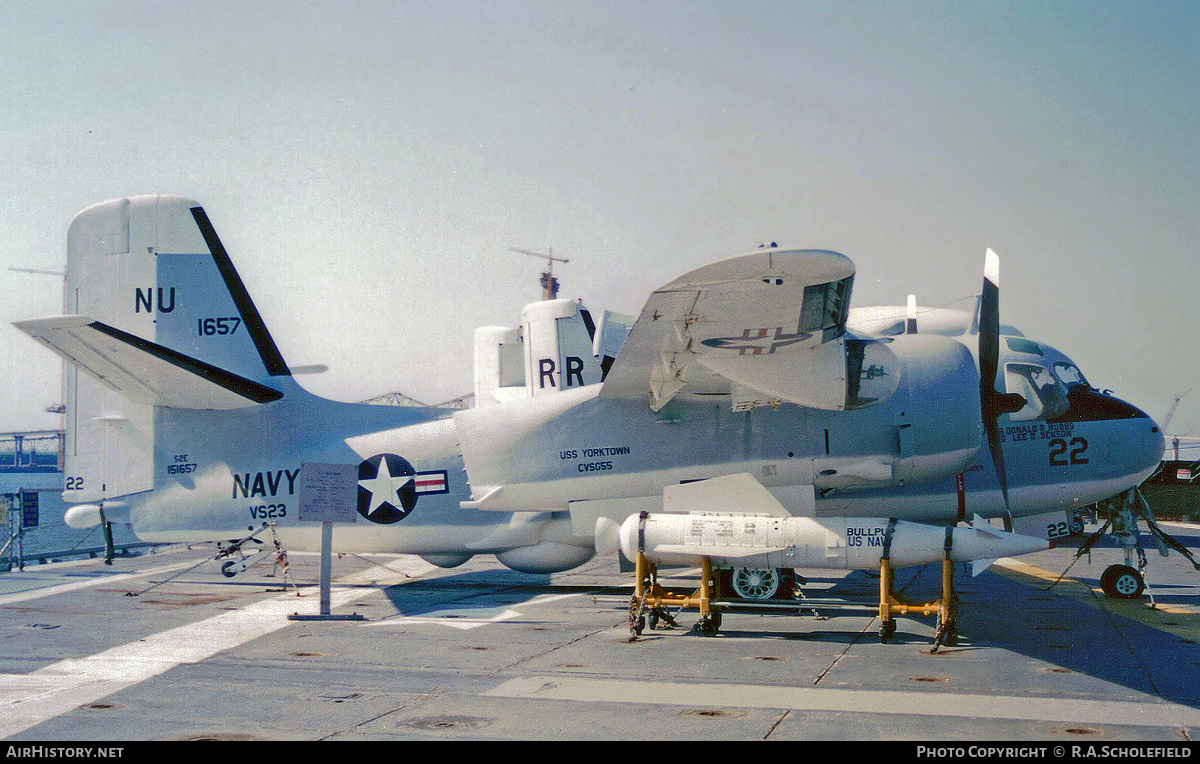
<point x="764" y="328"/>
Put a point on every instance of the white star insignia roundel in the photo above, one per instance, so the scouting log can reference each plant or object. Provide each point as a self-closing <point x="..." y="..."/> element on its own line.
<point x="388" y="487"/>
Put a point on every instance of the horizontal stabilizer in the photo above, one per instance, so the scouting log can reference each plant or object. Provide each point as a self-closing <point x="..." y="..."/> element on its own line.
<point x="143" y="371"/>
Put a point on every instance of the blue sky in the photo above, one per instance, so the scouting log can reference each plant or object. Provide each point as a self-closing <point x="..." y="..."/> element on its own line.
<point x="369" y="164"/>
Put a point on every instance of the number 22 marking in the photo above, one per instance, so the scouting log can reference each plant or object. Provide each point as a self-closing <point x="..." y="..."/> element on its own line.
<point x="1059" y="455"/>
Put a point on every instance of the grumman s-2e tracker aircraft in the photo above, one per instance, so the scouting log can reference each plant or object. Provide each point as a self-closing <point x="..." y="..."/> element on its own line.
<point x="746" y="421"/>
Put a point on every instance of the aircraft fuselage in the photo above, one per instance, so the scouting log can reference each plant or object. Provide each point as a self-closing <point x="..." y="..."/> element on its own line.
<point x="532" y="461"/>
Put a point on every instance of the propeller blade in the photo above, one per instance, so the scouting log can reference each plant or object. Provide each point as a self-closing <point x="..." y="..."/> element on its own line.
<point x="993" y="403"/>
<point x="993" y="436"/>
<point x="989" y="329"/>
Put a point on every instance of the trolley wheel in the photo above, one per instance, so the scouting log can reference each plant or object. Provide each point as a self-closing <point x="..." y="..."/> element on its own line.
<point x="711" y="625"/>
<point x="1122" y="582"/>
<point x="886" y="630"/>
<point x="947" y="634"/>
<point x="952" y="635"/>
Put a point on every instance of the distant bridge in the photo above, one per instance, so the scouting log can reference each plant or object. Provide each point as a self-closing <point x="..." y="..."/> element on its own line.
<point x="400" y="399"/>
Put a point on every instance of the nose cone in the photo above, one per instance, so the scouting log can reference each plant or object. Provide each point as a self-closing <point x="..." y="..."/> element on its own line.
<point x="1141" y="445"/>
<point x="1155" y="446"/>
<point x="1144" y="443"/>
<point x="1137" y="442"/>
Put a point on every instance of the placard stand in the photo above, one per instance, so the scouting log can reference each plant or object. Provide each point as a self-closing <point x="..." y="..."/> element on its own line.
<point x="328" y="492"/>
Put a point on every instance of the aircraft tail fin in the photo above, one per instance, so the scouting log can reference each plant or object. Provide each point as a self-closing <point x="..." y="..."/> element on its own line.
<point x="154" y="267"/>
<point x="158" y="316"/>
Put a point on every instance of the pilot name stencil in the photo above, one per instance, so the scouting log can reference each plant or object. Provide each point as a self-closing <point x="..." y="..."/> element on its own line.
<point x="1021" y="432"/>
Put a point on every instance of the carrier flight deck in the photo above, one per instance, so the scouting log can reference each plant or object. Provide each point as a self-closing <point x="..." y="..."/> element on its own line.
<point x="162" y="646"/>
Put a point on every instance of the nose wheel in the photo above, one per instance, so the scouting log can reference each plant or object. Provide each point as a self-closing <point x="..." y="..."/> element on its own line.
<point x="1122" y="582"/>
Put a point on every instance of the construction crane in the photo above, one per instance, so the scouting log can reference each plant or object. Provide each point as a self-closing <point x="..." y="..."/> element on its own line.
<point x="549" y="283"/>
<point x="1166" y="421"/>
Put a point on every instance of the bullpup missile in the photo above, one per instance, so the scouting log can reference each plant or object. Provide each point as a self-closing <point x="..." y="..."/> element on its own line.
<point x="753" y="541"/>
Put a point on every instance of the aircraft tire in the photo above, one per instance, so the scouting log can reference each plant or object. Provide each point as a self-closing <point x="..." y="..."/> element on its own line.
<point x="227" y="569"/>
<point x="1122" y="582"/>
<point x="752" y="584"/>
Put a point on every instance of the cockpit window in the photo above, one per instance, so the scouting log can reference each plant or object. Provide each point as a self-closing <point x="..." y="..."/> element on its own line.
<point x="1045" y="397"/>
<point x="1022" y="345"/>
<point x="1069" y="374"/>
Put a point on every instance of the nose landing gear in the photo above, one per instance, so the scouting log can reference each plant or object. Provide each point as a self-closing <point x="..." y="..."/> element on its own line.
<point x="1122" y="513"/>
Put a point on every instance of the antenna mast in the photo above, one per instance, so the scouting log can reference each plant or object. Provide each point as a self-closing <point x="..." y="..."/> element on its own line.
<point x="549" y="283"/>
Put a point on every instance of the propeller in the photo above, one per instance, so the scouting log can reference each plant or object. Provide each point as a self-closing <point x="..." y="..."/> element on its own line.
<point x="992" y="402"/>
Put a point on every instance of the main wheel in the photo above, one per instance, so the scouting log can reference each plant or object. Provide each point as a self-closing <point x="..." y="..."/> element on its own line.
<point x="755" y="584"/>
<point x="1122" y="582"/>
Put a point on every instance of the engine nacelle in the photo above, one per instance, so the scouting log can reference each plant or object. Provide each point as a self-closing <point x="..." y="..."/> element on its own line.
<point x="446" y="560"/>
<point x="545" y="557"/>
<point x="939" y="429"/>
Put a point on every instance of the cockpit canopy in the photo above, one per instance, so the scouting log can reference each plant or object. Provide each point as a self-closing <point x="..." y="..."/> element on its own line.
<point x="1041" y="375"/>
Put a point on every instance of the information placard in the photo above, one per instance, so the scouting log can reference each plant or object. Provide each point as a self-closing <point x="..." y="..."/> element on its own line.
<point x="329" y="492"/>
